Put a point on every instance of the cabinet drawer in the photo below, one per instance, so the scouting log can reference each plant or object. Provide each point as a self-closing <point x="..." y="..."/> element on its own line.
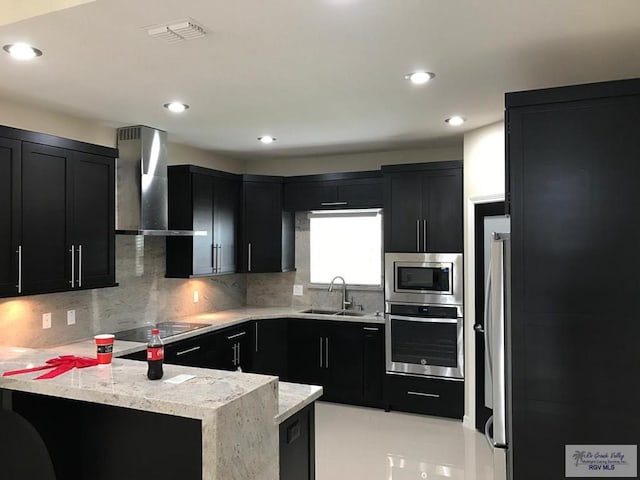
<point x="428" y="396"/>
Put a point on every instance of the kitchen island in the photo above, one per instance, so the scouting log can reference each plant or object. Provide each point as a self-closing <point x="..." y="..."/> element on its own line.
<point x="217" y="425"/>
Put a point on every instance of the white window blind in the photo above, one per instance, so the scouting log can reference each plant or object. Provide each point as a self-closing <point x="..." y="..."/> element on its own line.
<point x="346" y="243"/>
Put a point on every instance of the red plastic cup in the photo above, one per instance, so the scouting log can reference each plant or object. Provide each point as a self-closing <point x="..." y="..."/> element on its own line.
<point x="104" y="347"/>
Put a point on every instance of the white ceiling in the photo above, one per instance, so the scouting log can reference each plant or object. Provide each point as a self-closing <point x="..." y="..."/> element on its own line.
<point x="323" y="76"/>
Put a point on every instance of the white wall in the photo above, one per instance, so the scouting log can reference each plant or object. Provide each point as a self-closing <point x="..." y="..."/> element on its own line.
<point x="349" y="162"/>
<point x="484" y="157"/>
<point x="29" y="117"/>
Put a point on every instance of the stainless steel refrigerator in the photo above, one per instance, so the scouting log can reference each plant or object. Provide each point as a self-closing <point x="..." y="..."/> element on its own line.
<point x="497" y="377"/>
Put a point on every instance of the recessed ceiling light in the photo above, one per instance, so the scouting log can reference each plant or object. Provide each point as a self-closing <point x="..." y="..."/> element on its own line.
<point x="22" y="51"/>
<point x="267" y="139"/>
<point x="420" y="77"/>
<point x="176" y="107"/>
<point x="455" y="120"/>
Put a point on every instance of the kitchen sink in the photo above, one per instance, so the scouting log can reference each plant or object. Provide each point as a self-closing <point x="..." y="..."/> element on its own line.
<point x="347" y="313"/>
<point x="320" y="311"/>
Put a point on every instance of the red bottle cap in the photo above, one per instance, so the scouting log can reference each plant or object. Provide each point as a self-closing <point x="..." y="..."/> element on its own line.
<point x="155" y="331"/>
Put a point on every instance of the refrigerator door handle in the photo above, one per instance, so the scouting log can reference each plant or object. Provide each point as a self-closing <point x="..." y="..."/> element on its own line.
<point x="487" y="435"/>
<point x="487" y="318"/>
<point x="499" y="282"/>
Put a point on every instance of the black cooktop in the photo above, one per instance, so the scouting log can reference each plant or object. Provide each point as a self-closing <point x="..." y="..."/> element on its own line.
<point x="167" y="329"/>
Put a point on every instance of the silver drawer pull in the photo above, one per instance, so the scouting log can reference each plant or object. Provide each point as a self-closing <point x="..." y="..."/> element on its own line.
<point x="371" y="329"/>
<point x="19" y="252"/>
<point x="188" y="350"/>
<point x="236" y="335"/>
<point x="329" y="204"/>
<point x="420" y="394"/>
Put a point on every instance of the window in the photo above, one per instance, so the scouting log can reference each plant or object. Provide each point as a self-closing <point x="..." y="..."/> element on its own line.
<point x="346" y="243"/>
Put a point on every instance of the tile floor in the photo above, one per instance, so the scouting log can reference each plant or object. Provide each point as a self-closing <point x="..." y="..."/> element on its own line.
<point x="355" y="443"/>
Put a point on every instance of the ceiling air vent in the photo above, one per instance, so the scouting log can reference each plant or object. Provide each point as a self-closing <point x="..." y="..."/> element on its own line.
<point x="129" y="133"/>
<point x="177" y="31"/>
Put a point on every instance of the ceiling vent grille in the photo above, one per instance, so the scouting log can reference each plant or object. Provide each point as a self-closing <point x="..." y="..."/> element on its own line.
<point x="177" y="31"/>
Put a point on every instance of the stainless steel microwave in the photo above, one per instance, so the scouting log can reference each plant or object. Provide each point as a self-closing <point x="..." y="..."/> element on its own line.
<point x="425" y="278"/>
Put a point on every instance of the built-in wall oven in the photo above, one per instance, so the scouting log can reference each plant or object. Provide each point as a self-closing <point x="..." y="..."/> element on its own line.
<point x="424" y="315"/>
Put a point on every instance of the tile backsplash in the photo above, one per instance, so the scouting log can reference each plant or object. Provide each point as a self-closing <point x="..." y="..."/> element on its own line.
<point x="144" y="296"/>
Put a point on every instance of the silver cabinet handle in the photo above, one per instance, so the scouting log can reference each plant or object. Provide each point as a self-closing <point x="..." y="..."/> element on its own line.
<point x="213" y="257"/>
<point x="238" y="352"/>
<point x="326" y="349"/>
<point x="330" y="204"/>
<point x="235" y="354"/>
<point x="236" y="335"/>
<point x="420" y="394"/>
<point x="249" y="260"/>
<point x="424" y="233"/>
<point x="371" y="329"/>
<point x="73" y="265"/>
<point x="79" y="265"/>
<point x="417" y="235"/>
<point x="189" y="350"/>
<point x="219" y="262"/>
<point x="321" y="363"/>
<point x="19" y="252"/>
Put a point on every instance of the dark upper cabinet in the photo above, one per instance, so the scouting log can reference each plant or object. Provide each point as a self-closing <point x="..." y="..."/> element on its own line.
<point x="92" y="219"/>
<point x="58" y="212"/>
<point x="267" y="230"/>
<point x="10" y="208"/>
<point x="333" y="191"/>
<point x="47" y="256"/>
<point x="206" y="200"/>
<point x="423" y="208"/>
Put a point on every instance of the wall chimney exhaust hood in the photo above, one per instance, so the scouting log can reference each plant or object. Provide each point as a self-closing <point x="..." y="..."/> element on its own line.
<point x="141" y="184"/>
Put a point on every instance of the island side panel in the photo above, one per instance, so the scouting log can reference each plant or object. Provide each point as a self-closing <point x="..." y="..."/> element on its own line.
<point x="246" y="435"/>
<point x="106" y="442"/>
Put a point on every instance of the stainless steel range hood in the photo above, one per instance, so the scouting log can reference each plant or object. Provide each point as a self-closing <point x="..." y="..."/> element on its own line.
<point x="141" y="184"/>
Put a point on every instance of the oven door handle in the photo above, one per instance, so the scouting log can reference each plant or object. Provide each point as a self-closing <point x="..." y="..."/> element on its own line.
<point x="423" y="319"/>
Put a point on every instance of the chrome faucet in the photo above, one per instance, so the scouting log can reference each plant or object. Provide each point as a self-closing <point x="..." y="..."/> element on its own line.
<point x="345" y="303"/>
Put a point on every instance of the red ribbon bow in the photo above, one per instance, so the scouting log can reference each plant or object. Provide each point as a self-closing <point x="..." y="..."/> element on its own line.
<point x="60" y="365"/>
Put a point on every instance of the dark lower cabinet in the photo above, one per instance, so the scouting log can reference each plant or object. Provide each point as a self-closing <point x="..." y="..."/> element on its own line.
<point x="191" y="352"/>
<point x="373" y="365"/>
<point x="231" y="349"/>
<point x="345" y="358"/>
<point x="271" y="348"/>
<point x="297" y="446"/>
<point x="429" y="396"/>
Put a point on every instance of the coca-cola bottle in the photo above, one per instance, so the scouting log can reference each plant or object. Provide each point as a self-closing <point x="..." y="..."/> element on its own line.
<point x="155" y="356"/>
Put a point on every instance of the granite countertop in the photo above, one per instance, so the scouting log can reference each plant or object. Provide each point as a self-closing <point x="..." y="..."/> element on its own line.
<point x="124" y="382"/>
<point x="217" y="321"/>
